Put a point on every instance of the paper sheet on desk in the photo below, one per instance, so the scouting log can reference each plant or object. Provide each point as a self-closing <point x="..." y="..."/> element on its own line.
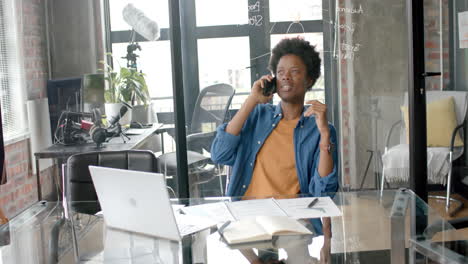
<point x="224" y="211"/>
<point x="297" y="207"/>
<point x="189" y="224"/>
<point x="135" y="131"/>
<point x="294" y="208"/>
<point x="218" y="212"/>
<point x="253" y="208"/>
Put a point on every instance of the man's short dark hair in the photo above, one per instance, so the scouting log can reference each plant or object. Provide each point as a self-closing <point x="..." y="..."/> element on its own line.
<point x="300" y="48"/>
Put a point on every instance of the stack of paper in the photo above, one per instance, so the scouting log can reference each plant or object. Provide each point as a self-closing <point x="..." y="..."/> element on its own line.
<point x="296" y="208"/>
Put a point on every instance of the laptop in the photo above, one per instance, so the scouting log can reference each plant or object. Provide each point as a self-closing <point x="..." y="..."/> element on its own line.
<point x="139" y="202"/>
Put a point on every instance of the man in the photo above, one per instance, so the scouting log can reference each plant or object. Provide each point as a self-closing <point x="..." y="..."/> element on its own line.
<point x="3" y="219"/>
<point x="285" y="149"/>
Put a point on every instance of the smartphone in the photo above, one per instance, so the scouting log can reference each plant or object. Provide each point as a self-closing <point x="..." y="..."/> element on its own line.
<point x="269" y="88"/>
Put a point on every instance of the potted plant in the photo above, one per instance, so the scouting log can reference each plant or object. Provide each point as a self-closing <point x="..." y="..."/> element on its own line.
<point x="125" y="86"/>
<point x="135" y="92"/>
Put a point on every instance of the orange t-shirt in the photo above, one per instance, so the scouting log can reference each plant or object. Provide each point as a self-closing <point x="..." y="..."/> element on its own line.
<point x="275" y="168"/>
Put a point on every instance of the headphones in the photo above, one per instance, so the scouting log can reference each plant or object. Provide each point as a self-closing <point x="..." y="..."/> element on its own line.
<point x="97" y="133"/>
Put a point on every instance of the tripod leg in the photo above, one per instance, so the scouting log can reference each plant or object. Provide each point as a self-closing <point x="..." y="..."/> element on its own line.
<point x="123" y="137"/>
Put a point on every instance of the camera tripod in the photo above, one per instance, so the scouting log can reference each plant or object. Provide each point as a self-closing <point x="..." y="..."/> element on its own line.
<point x="131" y="57"/>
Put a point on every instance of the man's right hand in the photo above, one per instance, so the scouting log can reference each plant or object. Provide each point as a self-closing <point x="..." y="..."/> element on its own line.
<point x="256" y="94"/>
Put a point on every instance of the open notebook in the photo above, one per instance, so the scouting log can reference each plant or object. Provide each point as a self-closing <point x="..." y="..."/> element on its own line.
<point x="262" y="228"/>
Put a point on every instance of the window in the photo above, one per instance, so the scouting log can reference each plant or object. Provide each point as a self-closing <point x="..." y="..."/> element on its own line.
<point x="295" y="10"/>
<point x="220" y="12"/>
<point x="227" y="46"/>
<point x="154" y="61"/>
<point x="223" y="66"/>
<point x="11" y="74"/>
<point x="221" y="41"/>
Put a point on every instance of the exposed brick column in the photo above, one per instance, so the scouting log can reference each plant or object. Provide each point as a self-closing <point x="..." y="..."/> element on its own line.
<point x="21" y="189"/>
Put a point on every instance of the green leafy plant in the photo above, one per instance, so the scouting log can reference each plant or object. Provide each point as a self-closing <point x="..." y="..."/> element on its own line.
<point x="127" y="85"/>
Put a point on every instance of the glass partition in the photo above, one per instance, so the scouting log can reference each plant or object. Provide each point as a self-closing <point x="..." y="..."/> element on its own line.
<point x="364" y="75"/>
<point x="83" y="237"/>
<point x="232" y="43"/>
<point x="372" y="81"/>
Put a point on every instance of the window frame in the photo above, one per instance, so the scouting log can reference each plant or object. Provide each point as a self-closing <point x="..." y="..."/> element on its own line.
<point x="259" y="42"/>
<point x="186" y="79"/>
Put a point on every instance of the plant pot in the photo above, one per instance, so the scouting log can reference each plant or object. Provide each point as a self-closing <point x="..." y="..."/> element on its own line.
<point x="113" y="110"/>
<point x="143" y="114"/>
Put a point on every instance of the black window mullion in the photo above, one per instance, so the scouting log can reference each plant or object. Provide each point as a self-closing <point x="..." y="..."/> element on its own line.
<point x="417" y="100"/>
<point x="107" y="27"/>
<point x="178" y="92"/>
<point x="124" y="36"/>
<point x="260" y="42"/>
<point x="308" y="26"/>
<point x="189" y="57"/>
<point x="223" y="31"/>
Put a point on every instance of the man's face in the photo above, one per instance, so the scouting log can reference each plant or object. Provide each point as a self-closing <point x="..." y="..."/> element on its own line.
<point x="292" y="79"/>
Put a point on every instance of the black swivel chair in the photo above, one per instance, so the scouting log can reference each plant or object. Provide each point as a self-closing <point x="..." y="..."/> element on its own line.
<point x="210" y="111"/>
<point x="79" y="185"/>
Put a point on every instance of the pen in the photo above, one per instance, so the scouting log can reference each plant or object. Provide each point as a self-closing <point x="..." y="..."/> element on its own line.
<point x="312" y="203"/>
<point x="221" y="229"/>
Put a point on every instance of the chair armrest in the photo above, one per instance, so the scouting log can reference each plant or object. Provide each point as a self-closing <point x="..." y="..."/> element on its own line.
<point x="165" y="128"/>
<point x="200" y="141"/>
<point x="454" y="134"/>
<point x="387" y="140"/>
<point x="200" y="136"/>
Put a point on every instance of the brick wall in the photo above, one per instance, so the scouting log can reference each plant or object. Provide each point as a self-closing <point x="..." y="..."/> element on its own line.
<point x="21" y="189"/>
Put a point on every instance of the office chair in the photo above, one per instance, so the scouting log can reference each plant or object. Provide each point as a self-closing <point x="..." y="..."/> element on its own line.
<point x="210" y="111"/>
<point x="440" y="159"/>
<point x="78" y="184"/>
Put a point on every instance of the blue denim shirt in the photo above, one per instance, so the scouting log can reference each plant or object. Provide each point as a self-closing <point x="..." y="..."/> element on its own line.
<point x="241" y="151"/>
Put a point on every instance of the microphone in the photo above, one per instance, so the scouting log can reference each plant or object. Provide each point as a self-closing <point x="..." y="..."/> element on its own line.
<point x="144" y="26"/>
<point x="123" y="110"/>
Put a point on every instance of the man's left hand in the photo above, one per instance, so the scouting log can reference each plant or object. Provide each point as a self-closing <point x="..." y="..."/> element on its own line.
<point x="320" y="111"/>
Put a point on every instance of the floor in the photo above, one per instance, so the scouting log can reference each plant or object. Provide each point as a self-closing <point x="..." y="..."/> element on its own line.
<point x="357" y="229"/>
<point x="439" y="206"/>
